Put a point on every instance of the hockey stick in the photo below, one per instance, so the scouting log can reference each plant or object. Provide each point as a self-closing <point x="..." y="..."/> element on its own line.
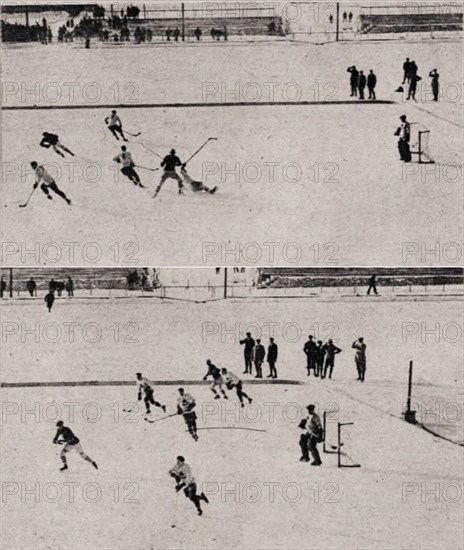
<point x="130" y="134"/>
<point x="151" y="151"/>
<point x="146" y="168"/>
<point x="28" y="199"/>
<point x="198" y="150"/>
<point x="159" y="419"/>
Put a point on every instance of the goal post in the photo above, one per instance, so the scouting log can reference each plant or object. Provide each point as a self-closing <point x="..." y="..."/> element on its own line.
<point x="420" y="143"/>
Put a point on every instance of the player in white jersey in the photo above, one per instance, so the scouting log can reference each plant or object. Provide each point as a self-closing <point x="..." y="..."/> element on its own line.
<point x="46" y="182"/>
<point x="185" y="405"/>
<point x="182" y="473"/>
<point x="147" y="387"/>
<point x="195" y="185"/>
<point x="115" y="125"/>
<point x="125" y="158"/>
<point x="233" y="381"/>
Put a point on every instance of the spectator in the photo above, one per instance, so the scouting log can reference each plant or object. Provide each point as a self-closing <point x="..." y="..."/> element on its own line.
<point x="248" y="352"/>
<point x="406" y="70"/>
<point x="226" y="35"/>
<point x="259" y="354"/>
<point x="415" y="78"/>
<point x="70" y="287"/>
<point x="168" y="33"/>
<point x="272" y="353"/>
<point x="176" y="34"/>
<point x="362" y="81"/>
<point x="52" y="285"/>
<point x="371" y="84"/>
<point x="31" y="286"/>
<point x="372" y="285"/>
<point x="360" y="358"/>
<point x="344" y="16"/>
<point x="198" y="33"/>
<point x="350" y="17"/>
<point x="435" y="84"/>
<point x="354" y="78"/>
<point x="331" y="19"/>
<point x="59" y="287"/>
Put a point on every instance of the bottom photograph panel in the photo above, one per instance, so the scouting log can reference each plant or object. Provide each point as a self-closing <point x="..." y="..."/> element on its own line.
<point x="153" y="408"/>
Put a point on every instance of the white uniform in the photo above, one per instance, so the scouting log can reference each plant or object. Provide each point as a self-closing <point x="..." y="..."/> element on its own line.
<point x="114" y="120"/>
<point x="186" y="403"/>
<point x="184" y="472"/>
<point x="43" y="175"/>
<point x="125" y="159"/>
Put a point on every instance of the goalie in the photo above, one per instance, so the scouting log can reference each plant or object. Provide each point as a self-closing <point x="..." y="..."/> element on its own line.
<point x="196" y="185"/>
<point x="313" y="434"/>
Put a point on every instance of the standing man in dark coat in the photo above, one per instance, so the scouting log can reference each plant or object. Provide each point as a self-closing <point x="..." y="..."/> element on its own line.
<point x="319" y="358"/>
<point x="371" y="84"/>
<point x="311" y="353"/>
<point x="415" y="78"/>
<point x="259" y="353"/>
<point x="248" y="352"/>
<point x="372" y="285"/>
<point x="435" y="83"/>
<point x="331" y="351"/>
<point x="272" y="353"/>
<point x="70" y="287"/>
<point x="360" y="358"/>
<point x="362" y="81"/>
<point x="31" y="286"/>
<point x="353" y="80"/>
<point x="406" y="70"/>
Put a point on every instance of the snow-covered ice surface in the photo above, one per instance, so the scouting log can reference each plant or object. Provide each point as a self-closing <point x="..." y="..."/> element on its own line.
<point x="387" y="503"/>
<point x="351" y="200"/>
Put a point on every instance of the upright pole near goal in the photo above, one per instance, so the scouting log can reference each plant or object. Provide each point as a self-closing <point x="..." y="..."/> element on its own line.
<point x="11" y="282"/>
<point x="410" y="415"/>
<point x="337" y="35"/>
<point x="183" y="22"/>
<point x="225" y="283"/>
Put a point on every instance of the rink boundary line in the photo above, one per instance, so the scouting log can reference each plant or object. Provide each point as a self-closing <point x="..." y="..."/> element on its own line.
<point x="196" y="105"/>
<point x="90" y="383"/>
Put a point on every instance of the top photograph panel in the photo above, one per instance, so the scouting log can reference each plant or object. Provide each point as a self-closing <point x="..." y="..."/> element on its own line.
<point x="232" y="133"/>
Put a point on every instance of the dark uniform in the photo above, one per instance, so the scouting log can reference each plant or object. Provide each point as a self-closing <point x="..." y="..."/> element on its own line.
<point x="331" y="351"/>
<point x="248" y="353"/>
<point x="272" y="353"/>
<point x="49" y="300"/>
<point x="371" y="84"/>
<point x="259" y="353"/>
<point x="353" y="80"/>
<point x="362" y="81"/>
<point x="311" y="354"/>
<point x="435" y="84"/>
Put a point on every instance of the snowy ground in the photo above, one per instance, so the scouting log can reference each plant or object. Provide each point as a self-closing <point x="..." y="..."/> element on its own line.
<point x="387" y="503"/>
<point x="323" y="177"/>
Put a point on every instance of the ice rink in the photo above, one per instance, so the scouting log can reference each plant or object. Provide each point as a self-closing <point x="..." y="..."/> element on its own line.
<point x="404" y="495"/>
<point x="286" y="173"/>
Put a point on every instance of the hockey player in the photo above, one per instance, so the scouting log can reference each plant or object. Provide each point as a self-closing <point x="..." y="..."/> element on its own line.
<point x="217" y="380"/>
<point x="147" y="387"/>
<point x="233" y="381"/>
<point x="125" y="158"/>
<point x="115" y="125"/>
<point x="49" y="299"/>
<point x="71" y="443"/>
<point x="185" y="405"/>
<point x="47" y="182"/>
<point x="314" y="434"/>
<point x="403" y="132"/>
<point x="196" y="186"/>
<point x="248" y="352"/>
<point x="182" y="473"/>
<point x="360" y="358"/>
<point x="170" y="163"/>
<point x="53" y="141"/>
<point x="311" y="354"/>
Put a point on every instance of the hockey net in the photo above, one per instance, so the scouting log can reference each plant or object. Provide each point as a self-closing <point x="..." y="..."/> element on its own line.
<point x="420" y="143"/>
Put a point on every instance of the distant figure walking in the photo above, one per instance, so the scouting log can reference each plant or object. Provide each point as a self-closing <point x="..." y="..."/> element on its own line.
<point x="372" y="285"/>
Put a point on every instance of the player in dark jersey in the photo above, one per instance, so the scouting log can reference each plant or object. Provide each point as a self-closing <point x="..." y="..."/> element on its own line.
<point x="170" y="163"/>
<point x="49" y="300"/>
<point x="217" y="379"/>
<point x="147" y="387"/>
<point x="53" y="141"/>
<point x="71" y="443"/>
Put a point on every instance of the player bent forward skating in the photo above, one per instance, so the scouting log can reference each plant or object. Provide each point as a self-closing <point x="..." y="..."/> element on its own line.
<point x="182" y="473"/>
<point x="115" y="125"/>
<point x="217" y="380"/>
<point x="47" y="182"/>
<point x="196" y="186"/>
<point x="71" y="443"/>
<point x="233" y="381"/>
<point x="53" y="141"/>
<point x="185" y="405"/>
<point x="128" y="164"/>
<point x="146" y="386"/>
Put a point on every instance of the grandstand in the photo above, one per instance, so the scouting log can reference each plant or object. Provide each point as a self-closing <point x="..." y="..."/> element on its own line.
<point x="384" y="21"/>
<point x="354" y="277"/>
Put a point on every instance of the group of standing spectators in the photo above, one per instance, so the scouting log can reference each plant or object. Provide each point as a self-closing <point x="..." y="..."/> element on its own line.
<point x="359" y="81"/>
<point x="255" y="354"/>
<point x="411" y="78"/>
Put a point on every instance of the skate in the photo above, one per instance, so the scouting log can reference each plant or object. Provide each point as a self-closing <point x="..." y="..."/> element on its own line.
<point x="164" y="408"/>
<point x="315" y="463"/>
<point x="303" y="459"/>
<point x="217" y="397"/>
<point x="213" y="190"/>
<point x="203" y="497"/>
<point x="64" y="467"/>
<point x="200" y="512"/>
<point x="94" y="464"/>
<point x="68" y="202"/>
